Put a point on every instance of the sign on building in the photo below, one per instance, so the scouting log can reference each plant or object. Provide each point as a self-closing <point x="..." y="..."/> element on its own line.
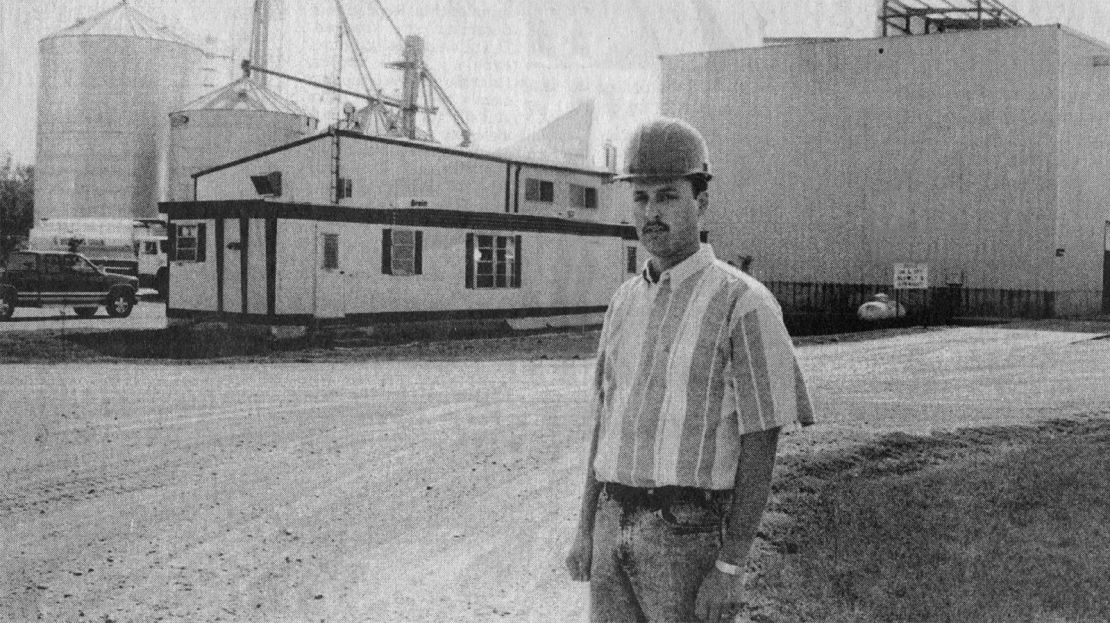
<point x="911" y="276"/>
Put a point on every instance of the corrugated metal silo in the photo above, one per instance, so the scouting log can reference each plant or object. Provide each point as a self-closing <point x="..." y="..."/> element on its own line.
<point x="106" y="85"/>
<point x="237" y="120"/>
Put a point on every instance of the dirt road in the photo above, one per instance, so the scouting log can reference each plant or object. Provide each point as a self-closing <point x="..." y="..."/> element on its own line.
<point x="149" y="313"/>
<point x="396" y="491"/>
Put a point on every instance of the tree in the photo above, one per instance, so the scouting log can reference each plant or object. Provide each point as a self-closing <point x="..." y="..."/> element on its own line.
<point x="17" y="201"/>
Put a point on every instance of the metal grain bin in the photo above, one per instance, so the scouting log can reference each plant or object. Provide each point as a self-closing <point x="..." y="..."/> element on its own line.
<point x="106" y="86"/>
<point x="238" y="120"/>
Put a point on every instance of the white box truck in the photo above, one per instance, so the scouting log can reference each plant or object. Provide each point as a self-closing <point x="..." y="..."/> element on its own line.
<point x="135" y="247"/>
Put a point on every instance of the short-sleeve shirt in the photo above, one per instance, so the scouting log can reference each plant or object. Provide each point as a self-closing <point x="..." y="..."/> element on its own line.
<point x="686" y="365"/>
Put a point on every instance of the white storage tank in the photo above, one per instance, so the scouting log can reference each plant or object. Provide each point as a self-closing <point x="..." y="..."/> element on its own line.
<point x="238" y="120"/>
<point x="106" y="85"/>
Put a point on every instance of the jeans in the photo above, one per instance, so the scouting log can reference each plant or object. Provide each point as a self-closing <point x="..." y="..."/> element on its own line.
<point x="650" y="554"/>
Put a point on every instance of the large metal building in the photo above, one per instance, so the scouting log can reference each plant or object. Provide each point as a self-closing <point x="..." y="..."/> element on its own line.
<point x="106" y="86"/>
<point x="981" y="154"/>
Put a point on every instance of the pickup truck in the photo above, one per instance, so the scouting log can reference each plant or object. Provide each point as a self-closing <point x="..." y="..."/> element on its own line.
<point x="56" y="279"/>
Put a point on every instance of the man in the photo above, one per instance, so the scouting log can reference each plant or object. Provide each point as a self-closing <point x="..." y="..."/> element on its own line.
<point x="695" y="376"/>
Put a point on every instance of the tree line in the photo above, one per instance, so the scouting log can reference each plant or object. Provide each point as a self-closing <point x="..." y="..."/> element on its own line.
<point x="17" y="201"/>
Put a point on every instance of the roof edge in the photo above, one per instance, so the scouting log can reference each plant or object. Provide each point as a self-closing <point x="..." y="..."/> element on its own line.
<point x="404" y="143"/>
<point x="851" y="40"/>
<point x="261" y="154"/>
<point x="1081" y="35"/>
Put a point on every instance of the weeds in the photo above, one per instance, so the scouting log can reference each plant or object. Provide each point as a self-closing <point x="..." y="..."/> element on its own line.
<point x="1000" y="524"/>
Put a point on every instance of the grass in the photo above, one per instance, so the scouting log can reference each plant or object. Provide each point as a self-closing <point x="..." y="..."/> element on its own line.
<point x="53" y="346"/>
<point x="1000" y="524"/>
<point x="215" y="341"/>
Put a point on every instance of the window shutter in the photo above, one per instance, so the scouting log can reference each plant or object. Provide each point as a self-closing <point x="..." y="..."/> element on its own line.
<point x="470" y="260"/>
<point x="171" y="242"/>
<point x="516" y="264"/>
<point x="387" y="251"/>
<point x="418" y="251"/>
<point x="201" y="242"/>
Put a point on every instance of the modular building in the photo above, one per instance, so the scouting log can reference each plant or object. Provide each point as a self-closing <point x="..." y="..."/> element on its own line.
<point x="343" y="227"/>
<point x="982" y="155"/>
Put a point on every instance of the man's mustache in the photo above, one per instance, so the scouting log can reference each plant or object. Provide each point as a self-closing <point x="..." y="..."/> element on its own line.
<point x="655" y="225"/>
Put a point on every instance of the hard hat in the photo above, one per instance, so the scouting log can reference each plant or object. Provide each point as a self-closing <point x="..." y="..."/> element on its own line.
<point x="665" y="147"/>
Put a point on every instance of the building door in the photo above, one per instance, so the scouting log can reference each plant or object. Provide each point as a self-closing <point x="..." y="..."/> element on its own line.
<point x="1106" y="269"/>
<point x="232" y="269"/>
<point x="330" y="274"/>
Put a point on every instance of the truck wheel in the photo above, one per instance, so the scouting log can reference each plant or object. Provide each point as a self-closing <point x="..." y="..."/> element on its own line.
<point x="162" y="282"/>
<point x="84" y="312"/>
<point x="7" y="306"/>
<point x="119" y="304"/>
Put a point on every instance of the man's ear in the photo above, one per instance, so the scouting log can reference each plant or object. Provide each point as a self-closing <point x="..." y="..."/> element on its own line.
<point x="703" y="202"/>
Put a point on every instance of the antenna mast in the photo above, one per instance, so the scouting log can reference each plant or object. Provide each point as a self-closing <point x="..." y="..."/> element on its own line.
<point x="392" y="116"/>
<point x="419" y="81"/>
<point x="260" y="38"/>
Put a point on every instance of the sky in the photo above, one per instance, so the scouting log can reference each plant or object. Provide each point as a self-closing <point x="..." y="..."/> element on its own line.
<point x="509" y="65"/>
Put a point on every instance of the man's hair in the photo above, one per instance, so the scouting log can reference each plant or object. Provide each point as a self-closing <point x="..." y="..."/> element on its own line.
<point x="698" y="183"/>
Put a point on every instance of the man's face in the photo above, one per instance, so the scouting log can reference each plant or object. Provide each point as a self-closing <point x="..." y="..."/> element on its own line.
<point x="667" y="214"/>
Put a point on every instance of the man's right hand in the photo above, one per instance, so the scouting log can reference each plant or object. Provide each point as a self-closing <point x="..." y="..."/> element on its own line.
<point x="580" y="557"/>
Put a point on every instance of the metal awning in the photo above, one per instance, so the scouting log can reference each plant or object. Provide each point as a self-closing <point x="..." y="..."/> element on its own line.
<point x="923" y="17"/>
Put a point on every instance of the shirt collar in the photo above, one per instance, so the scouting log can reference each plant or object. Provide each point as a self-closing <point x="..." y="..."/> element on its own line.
<point x="700" y="259"/>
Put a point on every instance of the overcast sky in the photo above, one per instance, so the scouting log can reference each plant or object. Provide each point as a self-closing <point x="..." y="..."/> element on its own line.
<point x="510" y="65"/>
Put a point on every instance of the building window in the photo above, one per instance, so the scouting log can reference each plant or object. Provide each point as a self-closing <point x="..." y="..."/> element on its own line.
<point x="343" y="188"/>
<point x="150" y="247"/>
<point x="539" y="190"/>
<point x="493" y="261"/>
<point x="331" y="252"/>
<point x="583" y="196"/>
<point x="188" y="243"/>
<point x="402" y="251"/>
<point x="610" y="157"/>
<point x="631" y="265"/>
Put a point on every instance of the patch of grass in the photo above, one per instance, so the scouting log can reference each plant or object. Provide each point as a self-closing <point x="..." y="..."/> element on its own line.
<point x="978" y="525"/>
<point x="183" y="343"/>
<point x="215" y="341"/>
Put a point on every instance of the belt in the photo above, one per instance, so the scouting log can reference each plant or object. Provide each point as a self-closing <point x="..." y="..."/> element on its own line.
<point x="654" y="498"/>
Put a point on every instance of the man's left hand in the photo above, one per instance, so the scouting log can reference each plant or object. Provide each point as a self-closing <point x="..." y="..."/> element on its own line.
<point x="720" y="597"/>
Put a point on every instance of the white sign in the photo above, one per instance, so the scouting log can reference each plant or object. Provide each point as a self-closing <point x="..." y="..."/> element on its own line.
<point x="911" y="276"/>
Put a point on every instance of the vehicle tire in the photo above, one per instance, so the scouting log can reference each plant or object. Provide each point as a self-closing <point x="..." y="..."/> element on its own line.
<point x="120" y="303"/>
<point x="162" y="282"/>
<point x="84" y="312"/>
<point x="7" y="306"/>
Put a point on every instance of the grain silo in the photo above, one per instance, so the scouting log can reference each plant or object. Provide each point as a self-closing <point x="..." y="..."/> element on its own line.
<point x="237" y="120"/>
<point x="106" y="85"/>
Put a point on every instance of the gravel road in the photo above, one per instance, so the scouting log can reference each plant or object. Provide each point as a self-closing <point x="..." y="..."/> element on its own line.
<point x="397" y="491"/>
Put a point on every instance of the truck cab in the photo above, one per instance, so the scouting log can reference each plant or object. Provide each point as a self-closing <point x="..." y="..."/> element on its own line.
<point x="55" y="279"/>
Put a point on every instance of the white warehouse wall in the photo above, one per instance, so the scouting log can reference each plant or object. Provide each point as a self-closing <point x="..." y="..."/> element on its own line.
<point x="1084" y="181"/>
<point x="833" y="161"/>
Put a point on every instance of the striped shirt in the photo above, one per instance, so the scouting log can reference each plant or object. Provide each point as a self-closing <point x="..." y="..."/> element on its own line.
<point x="686" y="365"/>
